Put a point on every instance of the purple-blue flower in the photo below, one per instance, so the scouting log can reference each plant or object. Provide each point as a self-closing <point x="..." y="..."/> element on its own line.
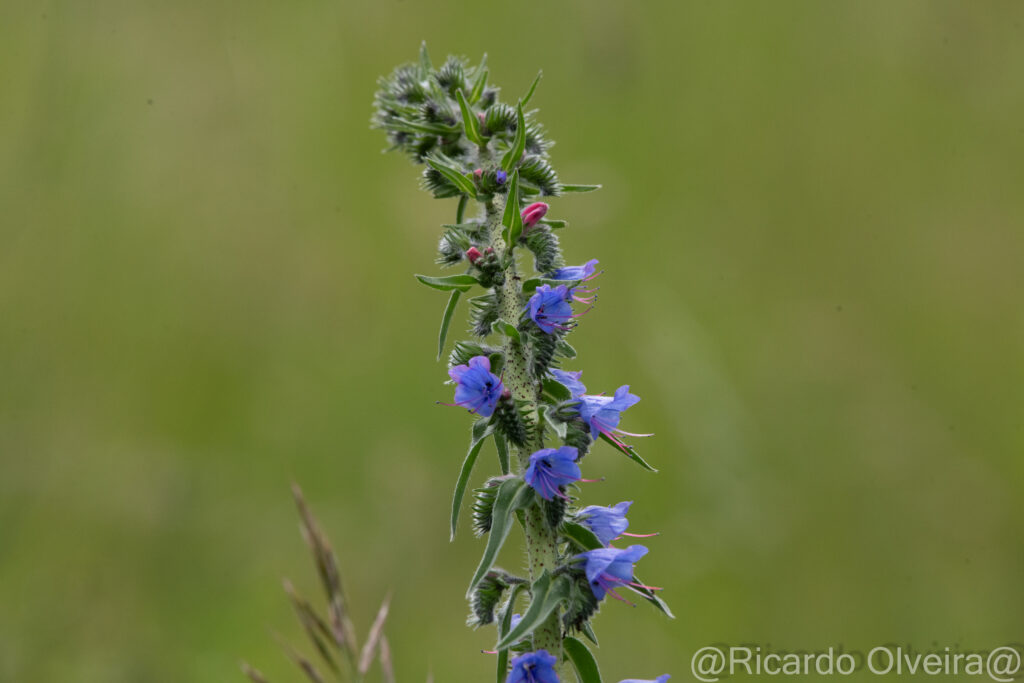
<point x="501" y="177"/>
<point x="550" y="308"/>
<point x="551" y="468"/>
<point x="570" y="380"/>
<point x="660" y="679"/>
<point x="603" y="413"/>
<point x="477" y="388"/>
<point x="609" y="568"/>
<point x="533" y="667"/>
<point x="582" y="273"/>
<point x="607" y="523"/>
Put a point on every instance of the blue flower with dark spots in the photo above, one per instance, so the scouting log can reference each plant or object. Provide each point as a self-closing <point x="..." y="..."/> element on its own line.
<point x="552" y="468"/>
<point x="533" y="667"/>
<point x="476" y="388"/>
<point x="550" y="308"/>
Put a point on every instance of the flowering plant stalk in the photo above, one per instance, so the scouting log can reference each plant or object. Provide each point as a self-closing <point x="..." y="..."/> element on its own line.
<point x="478" y="149"/>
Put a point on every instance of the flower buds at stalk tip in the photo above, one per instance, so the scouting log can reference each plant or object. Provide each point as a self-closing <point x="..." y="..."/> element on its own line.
<point x="533" y="213"/>
<point x="473" y="254"/>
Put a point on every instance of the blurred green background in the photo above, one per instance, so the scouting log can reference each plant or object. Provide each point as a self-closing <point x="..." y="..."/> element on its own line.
<point x="812" y="232"/>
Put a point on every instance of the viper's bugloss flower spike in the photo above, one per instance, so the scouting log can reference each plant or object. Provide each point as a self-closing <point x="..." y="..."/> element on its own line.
<point x="532" y="214"/>
<point x="477" y="388"/>
<point x="611" y="568"/>
<point x="550" y="308"/>
<point x="533" y="667"/>
<point x="588" y="271"/>
<point x="607" y="523"/>
<point x="552" y="468"/>
<point x="660" y="679"/>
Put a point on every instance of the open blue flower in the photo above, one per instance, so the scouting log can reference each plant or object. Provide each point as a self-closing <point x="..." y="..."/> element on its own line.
<point x="582" y="273"/>
<point x="533" y="667"/>
<point x="660" y="679"/>
<point x="603" y="413"/>
<point x="551" y="468"/>
<point x="607" y="523"/>
<point x="477" y="388"/>
<point x="550" y="308"/>
<point x="609" y="568"/>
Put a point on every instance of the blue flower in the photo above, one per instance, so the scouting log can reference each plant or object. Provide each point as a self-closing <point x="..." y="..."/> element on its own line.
<point x="660" y="679"/>
<point x="609" y="568"/>
<point x="582" y="273"/>
<point x="607" y="523"/>
<point x="501" y="177"/>
<point x="550" y="308"/>
<point x="533" y="667"/>
<point x="477" y="388"/>
<point x="551" y="468"/>
<point x="570" y="380"/>
<point x="603" y="413"/>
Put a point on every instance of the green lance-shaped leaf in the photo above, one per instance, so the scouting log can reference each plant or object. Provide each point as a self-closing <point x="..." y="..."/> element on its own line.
<point x="506" y="328"/>
<point x="479" y="82"/>
<point x="449" y="282"/>
<point x="515" y="152"/>
<point x="588" y="631"/>
<point x="582" y="659"/>
<point x="457" y="178"/>
<point x="469" y="121"/>
<point x="446" y="320"/>
<point x="630" y="453"/>
<point x="561" y="429"/>
<point x="580" y="536"/>
<point x="556" y="389"/>
<point x="554" y="224"/>
<point x="529" y="94"/>
<point x="652" y="597"/>
<point x="566" y="349"/>
<point x="460" y="210"/>
<point x="504" y="627"/>
<point x="512" y="495"/>
<point x="547" y="595"/>
<point x="513" y="218"/>
<point x="463" y="480"/>
<point x="502" y="447"/>
<point x="578" y="188"/>
<point x="425" y="66"/>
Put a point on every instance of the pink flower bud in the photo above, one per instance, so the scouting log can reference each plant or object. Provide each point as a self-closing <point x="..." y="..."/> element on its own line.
<point x="473" y="254"/>
<point x="506" y="394"/>
<point x="478" y="173"/>
<point x="489" y="250"/>
<point x="533" y="213"/>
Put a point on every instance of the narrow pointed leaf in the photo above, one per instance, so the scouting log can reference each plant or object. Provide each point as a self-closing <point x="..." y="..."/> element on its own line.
<point x="446" y="320"/>
<point x="463" y="480"/>
<point x="503" y="628"/>
<point x="582" y="659"/>
<point x="425" y="66"/>
<point x="578" y="188"/>
<point x="470" y="124"/>
<point x="479" y="83"/>
<point x="502" y="447"/>
<point x="581" y="537"/>
<point x="630" y="453"/>
<point x="456" y="177"/>
<point x="548" y="593"/>
<point x="459" y="282"/>
<point x="652" y="597"/>
<point x="512" y="218"/>
<point x="509" y="499"/>
<point x="529" y="93"/>
<point x="373" y="638"/>
<point x="566" y="349"/>
<point x="507" y="329"/>
<point x="515" y="152"/>
<point x="556" y="389"/>
<point x="560" y="427"/>
<point x="554" y="224"/>
<point x="588" y="631"/>
<point x="460" y="211"/>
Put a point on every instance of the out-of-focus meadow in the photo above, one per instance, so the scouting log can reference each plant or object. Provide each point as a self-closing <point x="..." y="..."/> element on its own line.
<point x="812" y="226"/>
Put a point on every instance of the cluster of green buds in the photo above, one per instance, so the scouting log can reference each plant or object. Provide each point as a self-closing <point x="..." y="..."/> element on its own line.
<point x="476" y="148"/>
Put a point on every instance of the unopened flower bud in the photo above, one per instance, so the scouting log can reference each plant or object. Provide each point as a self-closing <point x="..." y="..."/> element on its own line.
<point x="478" y="173"/>
<point x="533" y="213"/>
<point x="473" y="254"/>
<point x="506" y="394"/>
<point x="500" y="177"/>
<point x="489" y="250"/>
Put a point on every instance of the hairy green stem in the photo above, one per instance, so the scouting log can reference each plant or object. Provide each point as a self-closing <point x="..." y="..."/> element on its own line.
<point x="541" y="539"/>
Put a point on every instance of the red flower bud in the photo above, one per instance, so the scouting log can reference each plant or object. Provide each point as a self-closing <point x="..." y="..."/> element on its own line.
<point x="478" y="173"/>
<point x="473" y="254"/>
<point x="533" y="213"/>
